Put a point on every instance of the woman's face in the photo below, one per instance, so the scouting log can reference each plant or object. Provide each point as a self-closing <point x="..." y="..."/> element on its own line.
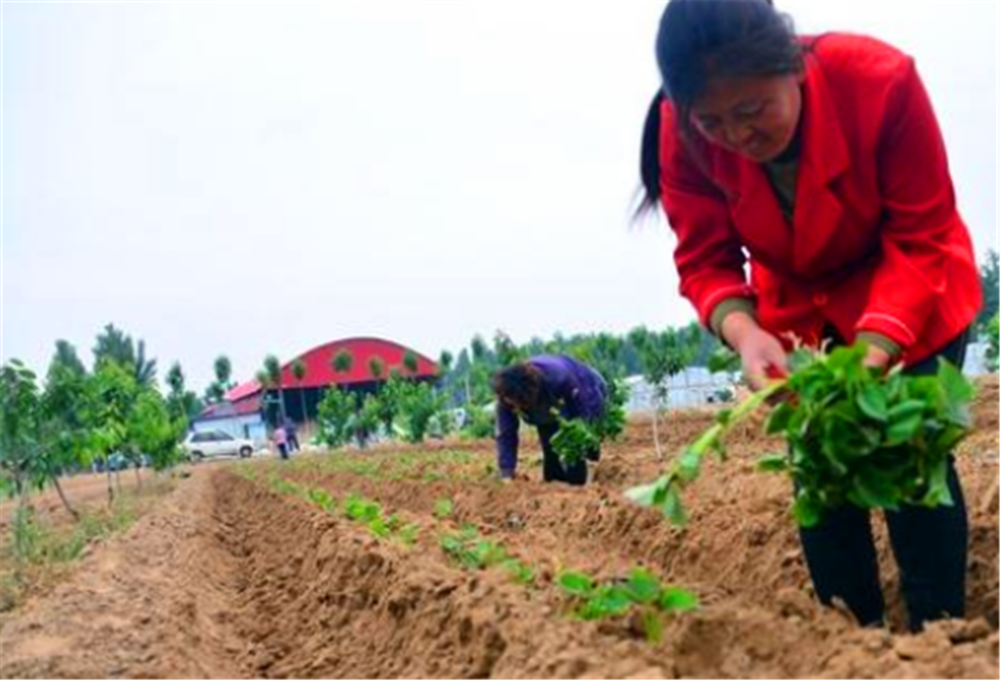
<point x="755" y="117"/>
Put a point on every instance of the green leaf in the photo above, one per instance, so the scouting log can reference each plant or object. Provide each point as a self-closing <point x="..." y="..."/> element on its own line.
<point x="645" y="494"/>
<point x="871" y="400"/>
<point x="938" y="492"/>
<point x="673" y="508"/>
<point x="957" y="388"/>
<point x="773" y="462"/>
<point x="576" y="583"/>
<point x="779" y="418"/>
<point x="642" y="586"/>
<point x="806" y="510"/>
<point x="873" y="490"/>
<point x="688" y="465"/>
<point x="904" y="421"/>
<point x="677" y="599"/>
<point x="611" y="600"/>
<point x="443" y="508"/>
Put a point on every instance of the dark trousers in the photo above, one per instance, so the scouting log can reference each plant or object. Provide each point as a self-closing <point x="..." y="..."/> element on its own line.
<point x="553" y="469"/>
<point x="930" y="546"/>
<point x="293" y="443"/>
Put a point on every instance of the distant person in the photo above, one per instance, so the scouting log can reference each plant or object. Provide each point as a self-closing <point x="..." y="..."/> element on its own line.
<point x="292" y="435"/>
<point x="529" y="391"/>
<point x="281" y="441"/>
<point x="807" y="181"/>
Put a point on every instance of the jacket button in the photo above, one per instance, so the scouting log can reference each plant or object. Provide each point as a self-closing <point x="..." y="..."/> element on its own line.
<point x="820" y="299"/>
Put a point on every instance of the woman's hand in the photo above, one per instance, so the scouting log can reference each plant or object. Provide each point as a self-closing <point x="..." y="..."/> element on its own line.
<point x="876" y="357"/>
<point x="761" y="353"/>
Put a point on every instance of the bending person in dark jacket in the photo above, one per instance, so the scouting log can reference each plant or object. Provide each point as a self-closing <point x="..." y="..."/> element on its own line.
<point x="530" y="390"/>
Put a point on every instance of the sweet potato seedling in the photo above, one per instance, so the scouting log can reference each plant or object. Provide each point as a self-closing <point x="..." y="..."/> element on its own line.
<point x="324" y="500"/>
<point x="443" y="508"/>
<point x="471" y="550"/>
<point x="519" y="571"/>
<point x="641" y="592"/>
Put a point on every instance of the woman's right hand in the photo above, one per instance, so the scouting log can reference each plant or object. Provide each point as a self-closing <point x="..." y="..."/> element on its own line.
<point x="761" y="353"/>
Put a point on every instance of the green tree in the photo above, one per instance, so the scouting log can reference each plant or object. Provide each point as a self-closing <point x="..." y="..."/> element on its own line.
<point x="410" y="362"/>
<point x="64" y="428"/>
<point x="416" y="404"/>
<point x="151" y="431"/>
<point x="376" y="367"/>
<point x="343" y="361"/>
<point x="67" y="356"/>
<point x="113" y="394"/>
<point x="273" y="369"/>
<point x="182" y="404"/>
<point x="366" y="420"/>
<point x="505" y="351"/>
<point x="445" y="362"/>
<point x="989" y="276"/>
<point x="335" y="414"/>
<point x="299" y="373"/>
<point x="662" y="355"/>
<point x="993" y="339"/>
<point x="223" y="371"/>
<point x="115" y="345"/>
<point x="20" y="462"/>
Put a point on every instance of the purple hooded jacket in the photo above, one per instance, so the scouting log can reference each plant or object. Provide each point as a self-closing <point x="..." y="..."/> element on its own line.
<point x="575" y="388"/>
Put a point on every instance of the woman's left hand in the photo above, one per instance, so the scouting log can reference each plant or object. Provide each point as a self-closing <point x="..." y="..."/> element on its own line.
<point x="877" y="357"/>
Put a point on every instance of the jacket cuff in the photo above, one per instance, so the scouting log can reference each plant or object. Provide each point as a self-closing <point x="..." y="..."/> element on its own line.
<point x="727" y="307"/>
<point x="882" y="342"/>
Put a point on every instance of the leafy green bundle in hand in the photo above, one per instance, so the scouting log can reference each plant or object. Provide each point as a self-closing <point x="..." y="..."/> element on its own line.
<point x="854" y="436"/>
<point x="577" y="436"/>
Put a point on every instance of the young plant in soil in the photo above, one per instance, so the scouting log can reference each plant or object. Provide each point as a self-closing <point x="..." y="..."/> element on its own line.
<point x="475" y="553"/>
<point x="641" y="592"/>
<point x="443" y="508"/>
<point x="324" y="500"/>
<point x="854" y="435"/>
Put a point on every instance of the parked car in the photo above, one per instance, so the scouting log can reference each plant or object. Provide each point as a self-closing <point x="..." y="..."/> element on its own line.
<point x="215" y="444"/>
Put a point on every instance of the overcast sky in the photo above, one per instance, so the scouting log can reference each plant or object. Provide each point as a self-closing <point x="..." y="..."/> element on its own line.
<point x="261" y="178"/>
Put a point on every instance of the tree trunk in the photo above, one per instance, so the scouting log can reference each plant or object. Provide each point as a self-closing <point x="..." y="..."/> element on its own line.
<point x="111" y="490"/>
<point x="281" y="405"/>
<point x="62" y="497"/>
<point x="302" y="397"/>
<point x="21" y="548"/>
<point x="656" y="433"/>
<point x="138" y="477"/>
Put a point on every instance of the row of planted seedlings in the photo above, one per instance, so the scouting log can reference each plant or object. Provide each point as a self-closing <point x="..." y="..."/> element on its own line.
<point x="640" y="599"/>
<point x="455" y="464"/>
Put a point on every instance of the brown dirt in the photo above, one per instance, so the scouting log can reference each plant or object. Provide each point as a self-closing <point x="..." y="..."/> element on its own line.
<point x="227" y="579"/>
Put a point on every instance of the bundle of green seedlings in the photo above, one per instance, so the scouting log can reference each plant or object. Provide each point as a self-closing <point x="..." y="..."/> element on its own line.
<point x="576" y="436"/>
<point x="854" y="435"/>
<point x="641" y="592"/>
<point x="474" y="552"/>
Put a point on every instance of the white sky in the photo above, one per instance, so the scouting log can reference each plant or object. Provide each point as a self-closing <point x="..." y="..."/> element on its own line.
<point x="253" y="178"/>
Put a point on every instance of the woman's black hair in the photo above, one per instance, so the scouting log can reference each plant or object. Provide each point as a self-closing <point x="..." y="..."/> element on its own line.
<point x="521" y="383"/>
<point x="703" y="39"/>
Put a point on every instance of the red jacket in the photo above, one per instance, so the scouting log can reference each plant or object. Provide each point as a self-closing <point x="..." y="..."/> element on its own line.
<point x="877" y="243"/>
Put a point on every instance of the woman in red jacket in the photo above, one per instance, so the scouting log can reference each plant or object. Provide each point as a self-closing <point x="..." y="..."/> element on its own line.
<point x="819" y="163"/>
